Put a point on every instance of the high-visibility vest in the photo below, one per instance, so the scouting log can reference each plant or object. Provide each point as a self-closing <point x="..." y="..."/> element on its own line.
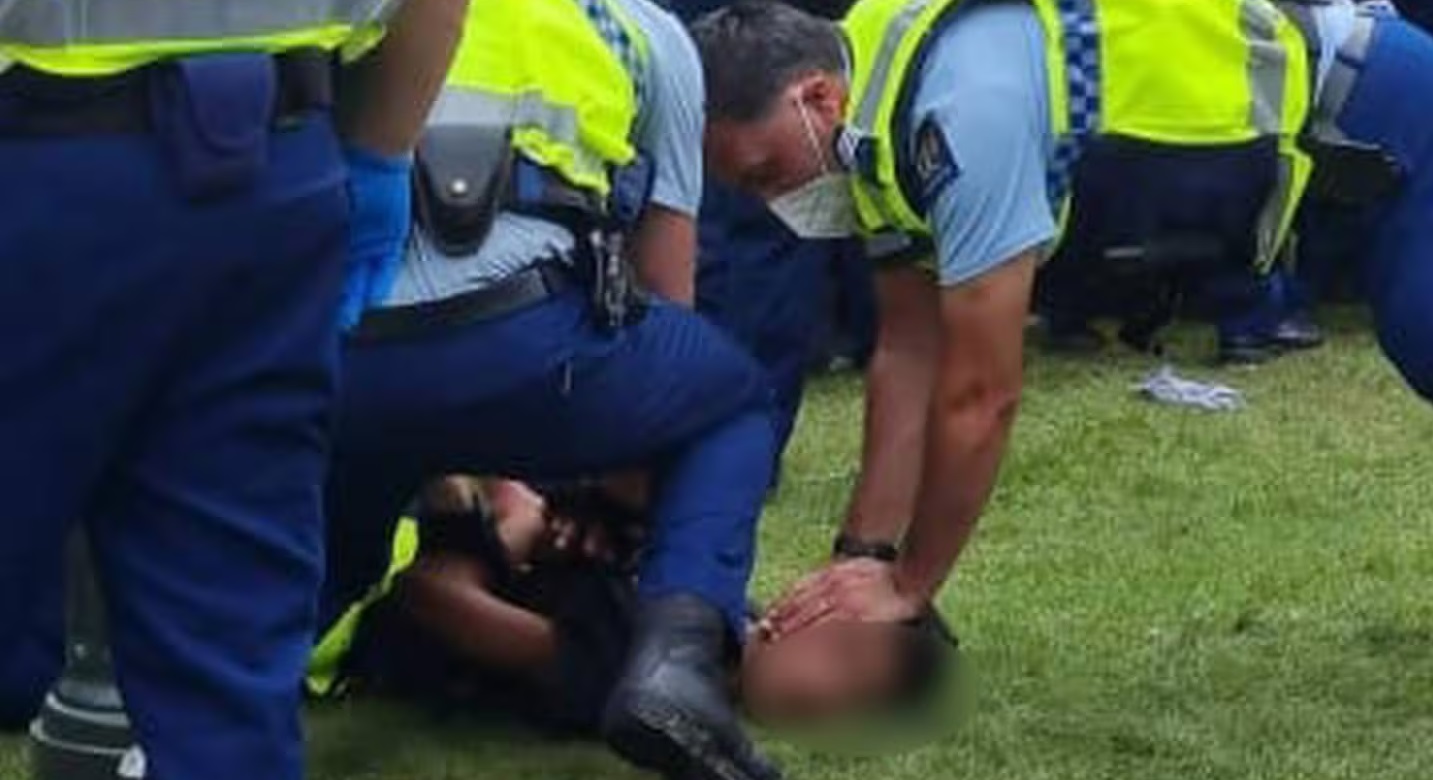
<point x="325" y="668"/>
<point x="96" y="38"/>
<point x="564" y="75"/>
<point x="1180" y="72"/>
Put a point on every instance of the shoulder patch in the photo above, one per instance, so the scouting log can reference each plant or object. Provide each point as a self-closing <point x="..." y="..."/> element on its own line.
<point x="933" y="162"/>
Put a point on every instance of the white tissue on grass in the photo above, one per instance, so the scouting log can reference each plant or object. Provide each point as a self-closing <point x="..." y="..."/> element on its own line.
<point x="1166" y="387"/>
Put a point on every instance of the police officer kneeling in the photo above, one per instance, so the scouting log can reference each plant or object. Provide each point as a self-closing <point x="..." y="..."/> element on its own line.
<point x="567" y="142"/>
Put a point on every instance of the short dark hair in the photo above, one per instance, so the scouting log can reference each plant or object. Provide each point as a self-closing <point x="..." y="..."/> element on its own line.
<point x="927" y="652"/>
<point x="752" y="49"/>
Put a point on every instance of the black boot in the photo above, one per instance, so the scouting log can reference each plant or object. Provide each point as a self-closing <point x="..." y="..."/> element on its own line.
<point x="671" y="712"/>
<point x="1247" y="350"/>
<point x="1298" y="332"/>
<point x="1073" y="338"/>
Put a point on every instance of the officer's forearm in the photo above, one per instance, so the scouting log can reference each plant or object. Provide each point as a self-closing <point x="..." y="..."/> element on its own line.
<point x="977" y="393"/>
<point x="898" y="388"/>
<point x="664" y="250"/>
<point x="394" y="87"/>
<point x="969" y="428"/>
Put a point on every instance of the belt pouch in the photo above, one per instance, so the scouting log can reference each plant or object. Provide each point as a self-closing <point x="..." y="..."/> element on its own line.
<point x="460" y="175"/>
<point x="213" y="114"/>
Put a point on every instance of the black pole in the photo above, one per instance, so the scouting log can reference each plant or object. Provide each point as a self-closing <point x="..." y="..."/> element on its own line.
<point x="82" y="732"/>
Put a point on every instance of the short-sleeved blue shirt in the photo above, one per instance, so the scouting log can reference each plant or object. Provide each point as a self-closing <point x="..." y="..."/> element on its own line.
<point x="668" y="131"/>
<point x="978" y="139"/>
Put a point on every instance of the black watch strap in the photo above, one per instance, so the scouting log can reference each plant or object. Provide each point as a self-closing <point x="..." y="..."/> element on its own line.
<point x="851" y="547"/>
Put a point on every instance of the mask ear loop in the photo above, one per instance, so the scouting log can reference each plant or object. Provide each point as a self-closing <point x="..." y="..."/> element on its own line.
<point x="811" y="137"/>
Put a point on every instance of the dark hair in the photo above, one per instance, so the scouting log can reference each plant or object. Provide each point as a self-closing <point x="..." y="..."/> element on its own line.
<point x="752" y="49"/>
<point x="927" y="652"/>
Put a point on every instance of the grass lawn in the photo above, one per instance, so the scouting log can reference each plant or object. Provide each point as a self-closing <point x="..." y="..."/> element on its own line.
<point x="1155" y="594"/>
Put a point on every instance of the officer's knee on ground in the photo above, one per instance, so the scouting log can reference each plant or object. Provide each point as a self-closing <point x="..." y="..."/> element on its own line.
<point x="1407" y="338"/>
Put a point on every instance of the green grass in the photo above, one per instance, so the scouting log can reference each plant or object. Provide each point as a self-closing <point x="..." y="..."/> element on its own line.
<point x="1154" y="594"/>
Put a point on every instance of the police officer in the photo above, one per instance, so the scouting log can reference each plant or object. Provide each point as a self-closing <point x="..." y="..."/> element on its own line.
<point x="949" y="128"/>
<point x="173" y="250"/>
<point x="566" y="143"/>
<point x="1370" y="62"/>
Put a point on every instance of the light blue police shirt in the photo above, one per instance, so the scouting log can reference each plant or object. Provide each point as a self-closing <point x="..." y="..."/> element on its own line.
<point x="669" y="127"/>
<point x="982" y="96"/>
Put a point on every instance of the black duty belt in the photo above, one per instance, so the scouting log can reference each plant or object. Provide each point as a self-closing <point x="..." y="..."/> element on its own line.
<point x="516" y="292"/>
<point x="36" y="103"/>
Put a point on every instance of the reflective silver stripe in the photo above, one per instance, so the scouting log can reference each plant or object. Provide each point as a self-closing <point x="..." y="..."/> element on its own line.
<point x="1268" y="77"/>
<point x="870" y="108"/>
<point x="1271" y="217"/>
<point x="462" y="105"/>
<point x="71" y="22"/>
<point x="1343" y="74"/>
<point x="1268" y="65"/>
<point x="888" y="245"/>
<point x="466" y="106"/>
<point x="868" y="112"/>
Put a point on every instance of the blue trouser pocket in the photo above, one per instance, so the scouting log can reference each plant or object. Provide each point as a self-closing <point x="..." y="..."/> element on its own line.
<point x="212" y="115"/>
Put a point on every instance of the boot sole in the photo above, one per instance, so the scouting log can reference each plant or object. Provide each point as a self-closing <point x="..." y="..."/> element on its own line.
<point x="685" y="750"/>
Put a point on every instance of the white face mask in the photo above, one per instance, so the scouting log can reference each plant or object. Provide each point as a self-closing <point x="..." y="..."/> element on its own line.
<point x="823" y="207"/>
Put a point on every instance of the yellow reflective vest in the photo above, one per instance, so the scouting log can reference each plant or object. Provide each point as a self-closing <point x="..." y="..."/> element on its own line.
<point x="325" y="668"/>
<point x="564" y="75"/>
<point x="1179" y="72"/>
<point x="96" y="38"/>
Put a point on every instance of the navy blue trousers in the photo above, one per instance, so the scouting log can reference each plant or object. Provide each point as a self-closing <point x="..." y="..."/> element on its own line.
<point x="543" y="394"/>
<point x="1400" y="267"/>
<point x="166" y="379"/>
<point x="767" y="289"/>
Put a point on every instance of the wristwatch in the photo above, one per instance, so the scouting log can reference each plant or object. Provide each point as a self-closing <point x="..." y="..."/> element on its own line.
<point x="851" y="547"/>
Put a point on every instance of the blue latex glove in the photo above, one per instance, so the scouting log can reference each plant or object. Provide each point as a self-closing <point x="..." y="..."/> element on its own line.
<point x="380" y="198"/>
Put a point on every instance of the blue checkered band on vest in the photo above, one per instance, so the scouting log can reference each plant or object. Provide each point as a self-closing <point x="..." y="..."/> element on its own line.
<point x="1082" y="85"/>
<point x="618" y="40"/>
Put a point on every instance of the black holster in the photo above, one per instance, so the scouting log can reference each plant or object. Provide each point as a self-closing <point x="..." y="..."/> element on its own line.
<point x="460" y="178"/>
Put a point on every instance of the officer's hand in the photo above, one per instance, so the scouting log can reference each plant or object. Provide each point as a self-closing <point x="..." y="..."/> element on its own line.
<point x="380" y="217"/>
<point x="861" y="589"/>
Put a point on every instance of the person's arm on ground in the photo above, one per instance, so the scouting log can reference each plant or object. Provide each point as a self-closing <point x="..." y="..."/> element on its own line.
<point x="454" y="595"/>
<point x="395" y="85"/>
<point x="450" y="595"/>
